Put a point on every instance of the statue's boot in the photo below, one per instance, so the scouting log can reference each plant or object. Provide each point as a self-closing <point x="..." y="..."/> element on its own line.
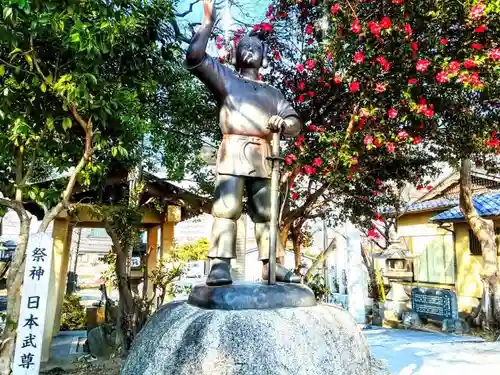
<point x="283" y="274"/>
<point x="220" y="272"/>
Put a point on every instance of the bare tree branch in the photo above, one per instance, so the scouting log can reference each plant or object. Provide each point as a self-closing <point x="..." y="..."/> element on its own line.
<point x="184" y="14"/>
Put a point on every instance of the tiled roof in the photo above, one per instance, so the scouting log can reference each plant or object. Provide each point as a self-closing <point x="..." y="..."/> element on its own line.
<point x="435" y="204"/>
<point x="487" y="204"/>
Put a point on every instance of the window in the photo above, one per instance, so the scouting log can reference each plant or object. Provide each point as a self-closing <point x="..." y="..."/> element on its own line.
<point x="98" y="232"/>
<point x="434" y="259"/>
<point x="474" y="244"/>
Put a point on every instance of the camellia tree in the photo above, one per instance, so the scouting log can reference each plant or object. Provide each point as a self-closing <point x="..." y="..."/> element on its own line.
<point x="386" y="89"/>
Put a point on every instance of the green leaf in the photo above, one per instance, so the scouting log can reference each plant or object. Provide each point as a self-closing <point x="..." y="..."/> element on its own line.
<point x="67" y="123"/>
<point x="7" y="12"/>
<point x="43" y="86"/>
<point x="75" y="37"/>
<point x="14" y="52"/>
<point x="2" y="70"/>
<point x="29" y="60"/>
<point x="50" y="123"/>
<point x="114" y="151"/>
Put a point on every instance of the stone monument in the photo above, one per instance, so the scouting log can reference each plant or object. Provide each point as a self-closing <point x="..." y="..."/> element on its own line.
<point x="240" y="328"/>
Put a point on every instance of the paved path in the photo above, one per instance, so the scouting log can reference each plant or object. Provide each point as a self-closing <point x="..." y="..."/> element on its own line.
<point x="423" y="353"/>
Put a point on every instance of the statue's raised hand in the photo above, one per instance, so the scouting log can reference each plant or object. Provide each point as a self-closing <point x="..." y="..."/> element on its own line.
<point x="209" y="11"/>
<point x="276" y="124"/>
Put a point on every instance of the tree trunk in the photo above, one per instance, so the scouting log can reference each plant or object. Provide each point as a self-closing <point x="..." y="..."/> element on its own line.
<point x="14" y="284"/>
<point x="320" y="260"/>
<point x="126" y="319"/>
<point x="282" y="245"/>
<point x="297" y="247"/>
<point x="484" y="230"/>
<point x="372" y="274"/>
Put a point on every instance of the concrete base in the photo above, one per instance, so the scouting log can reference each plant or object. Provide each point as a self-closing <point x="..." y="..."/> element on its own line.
<point x="183" y="339"/>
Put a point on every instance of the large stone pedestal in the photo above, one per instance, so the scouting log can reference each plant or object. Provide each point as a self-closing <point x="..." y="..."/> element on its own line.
<point x="184" y="339"/>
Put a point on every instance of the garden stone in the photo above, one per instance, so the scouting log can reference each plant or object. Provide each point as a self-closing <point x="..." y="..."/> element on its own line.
<point x="411" y="320"/>
<point x="101" y="341"/>
<point x="457" y="326"/>
<point x="184" y="339"/>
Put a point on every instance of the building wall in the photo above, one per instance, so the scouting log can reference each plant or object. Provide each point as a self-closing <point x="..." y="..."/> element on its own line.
<point x="467" y="267"/>
<point x="433" y="248"/>
<point x="469" y="286"/>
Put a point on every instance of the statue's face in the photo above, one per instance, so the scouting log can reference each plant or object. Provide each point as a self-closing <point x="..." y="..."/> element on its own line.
<point x="249" y="53"/>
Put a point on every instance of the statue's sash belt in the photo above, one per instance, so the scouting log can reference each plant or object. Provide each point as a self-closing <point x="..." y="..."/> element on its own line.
<point x="243" y="155"/>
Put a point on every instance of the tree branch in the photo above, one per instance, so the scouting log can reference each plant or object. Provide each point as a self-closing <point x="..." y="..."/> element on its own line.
<point x="68" y="191"/>
<point x="184" y="14"/>
<point x="321" y="258"/>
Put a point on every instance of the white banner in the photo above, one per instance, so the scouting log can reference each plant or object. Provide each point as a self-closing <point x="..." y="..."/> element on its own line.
<point x="33" y="305"/>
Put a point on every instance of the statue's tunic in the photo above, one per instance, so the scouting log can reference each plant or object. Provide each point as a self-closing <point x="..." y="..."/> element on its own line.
<point x="245" y="109"/>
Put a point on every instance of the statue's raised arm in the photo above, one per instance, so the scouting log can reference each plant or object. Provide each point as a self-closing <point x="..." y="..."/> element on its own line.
<point x="212" y="73"/>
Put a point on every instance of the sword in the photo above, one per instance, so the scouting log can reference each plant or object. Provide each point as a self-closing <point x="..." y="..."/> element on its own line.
<point x="275" y="197"/>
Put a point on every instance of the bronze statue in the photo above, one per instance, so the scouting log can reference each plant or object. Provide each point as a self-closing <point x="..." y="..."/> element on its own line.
<point x="250" y="111"/>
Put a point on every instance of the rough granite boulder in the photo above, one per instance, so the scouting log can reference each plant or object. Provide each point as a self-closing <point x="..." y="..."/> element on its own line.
<point x="183" y="339"/>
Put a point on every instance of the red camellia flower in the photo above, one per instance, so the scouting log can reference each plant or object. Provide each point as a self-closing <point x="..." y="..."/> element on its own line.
<point x="300" y="68"/>
<point x="414" y="48"/>
<point x="391" y="147"/>
<point x="310" y="64"/>
<point x="408" y="30"/>
<point x="383" y="63"/>
<point x="256" y="27"/>
<point x="429" y="112"/>
<point x="295" y="196"/>
<point x="354" y="86"/>
<point x="454" y="66"/>
<point x="477" y="46"/>
<point x="494" y="54"/>
<point x="311" y="94"/>
<point x="309" y="29"/>
<point x="368" y="140"/>
<point x="469" y="64"/>
<point x="299" y="141"/>
<point x="380" y="87"/>
<point x="301" y="85"/>
<point x="301" y="98"/>
<point x="444" y="41"/>
<point x="337" y="80"/>
<point x="481" y="29"/>
<point x="398" y="1"/>
<point x="312" y="128"/>
<point x="412" y="81"/>
<point x="416" y="140"/>
<point x="392" y="113"/>
<point x="385" y="23"/>
<point x="356" y="26"/>
<point x="477" y="11"/>
<point x="277" y="56"/>
<point x="403" y="134"/>
<point x="493" y="142"/>
<point x="290" y="158"/>
<point x="375" y="28"/>
<point x="309" y="170"/>
<point x="359" y="57"/>
<point x="442" y="77"/>
<point x="266" y="27"/>
<point x="317" y="162"/>
<point x="335" y="8"/>
<point x="423" y="65"/>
